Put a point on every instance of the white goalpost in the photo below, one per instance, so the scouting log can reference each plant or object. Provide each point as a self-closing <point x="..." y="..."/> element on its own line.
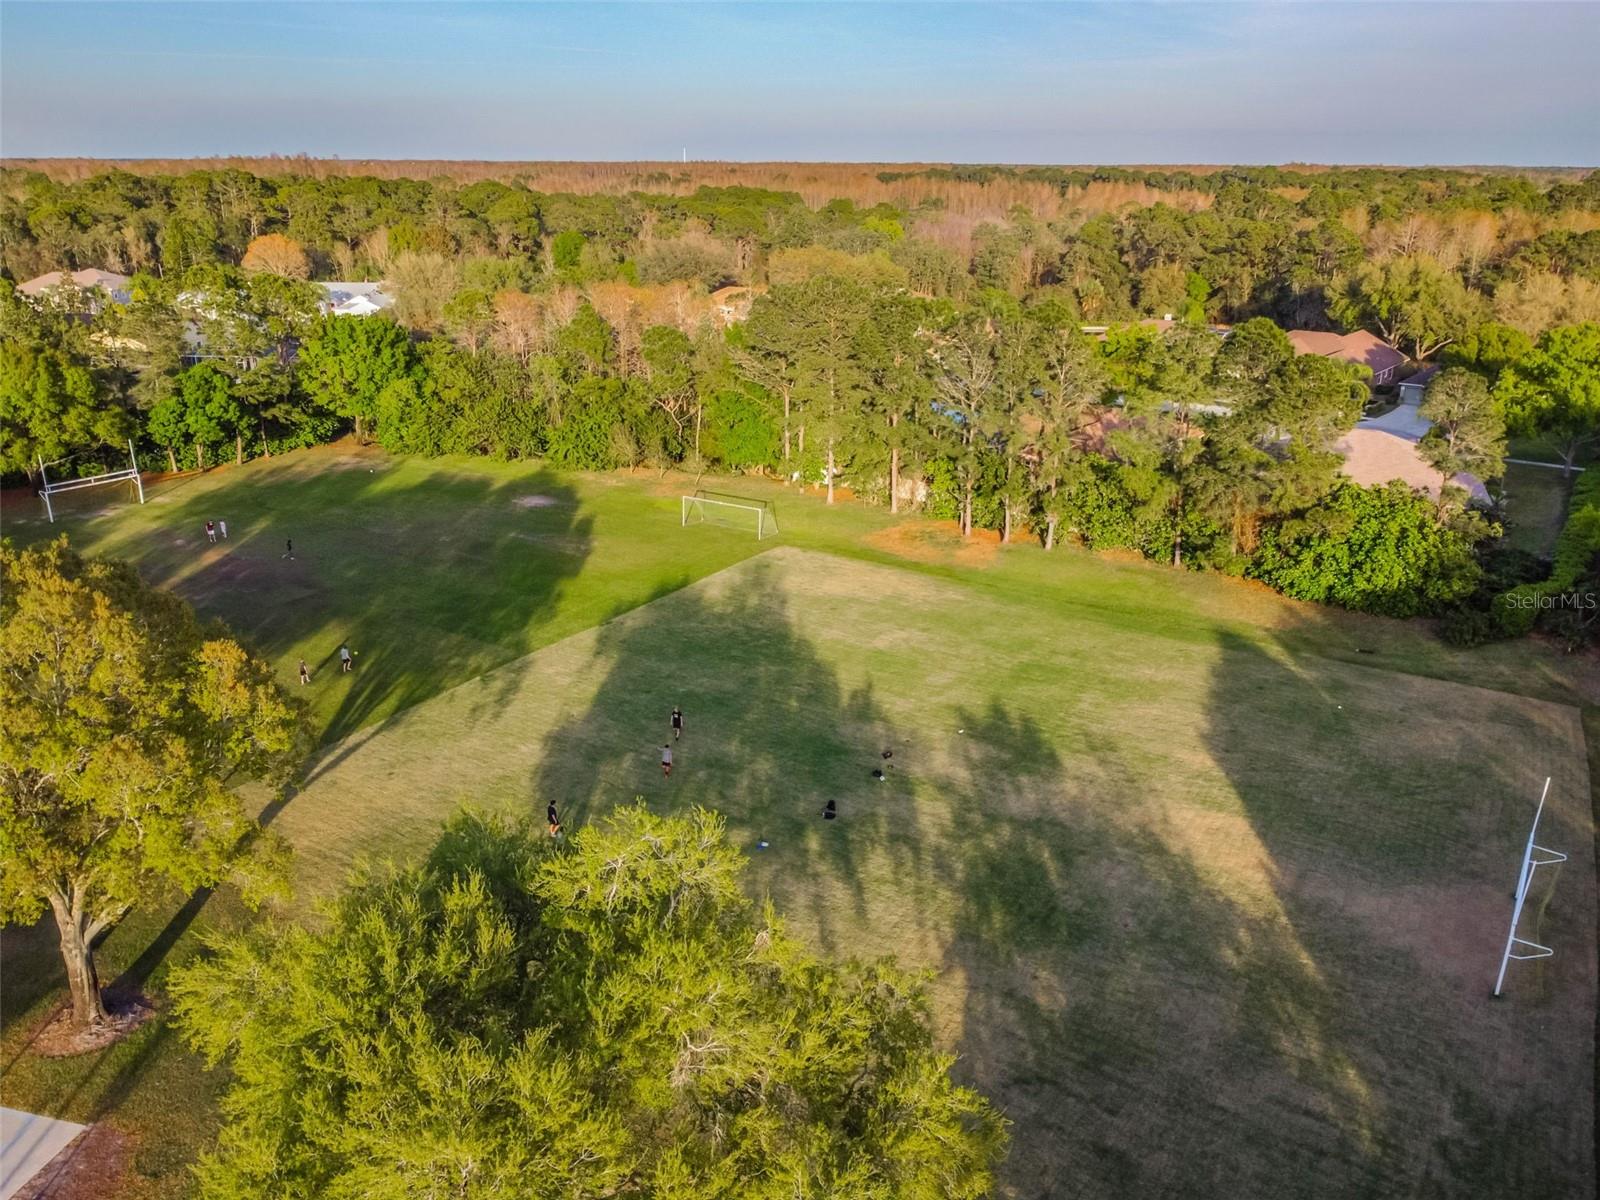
<point x="1534" y="856"/>
<point x="129" y="475"/>
<point x="725" y="508"/>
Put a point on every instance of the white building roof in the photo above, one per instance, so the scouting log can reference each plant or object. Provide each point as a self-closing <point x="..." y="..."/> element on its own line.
<point x="354" y="298"/>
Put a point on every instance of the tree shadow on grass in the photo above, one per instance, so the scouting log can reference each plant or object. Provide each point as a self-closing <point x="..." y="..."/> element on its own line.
<point x="771" y="735"/>
<point x="1389" y="811"/>
<point x="430" y="581"/>
<point x="1152" y="1026"/>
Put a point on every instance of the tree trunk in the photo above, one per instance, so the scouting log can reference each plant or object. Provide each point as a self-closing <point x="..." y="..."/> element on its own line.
<point x="966" y="508"/>
<point x="200" y="454"/>
<point x="238" y="446"/>
<point x="1050" y="531"/>
<point x="894" y="479"/>
<point x="1005" y="524"/>
<point x="88" y="1007"/>
<point x="830" y="470"/>
<point x="699" y="412"/>
<point x="786" y="431"/>
<point x="266" y="451"/>
<point x="172" y="460"/>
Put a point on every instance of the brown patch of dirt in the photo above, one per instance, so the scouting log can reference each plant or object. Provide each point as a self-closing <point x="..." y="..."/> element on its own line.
<point x="125" y="1012"/>
<point x="90" y="1168"/>
<point x="937" y="542"/>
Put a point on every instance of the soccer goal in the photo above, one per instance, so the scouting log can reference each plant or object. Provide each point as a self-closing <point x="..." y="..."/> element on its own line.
<point x="736" y="512"/>
<point x="48" y="491"/>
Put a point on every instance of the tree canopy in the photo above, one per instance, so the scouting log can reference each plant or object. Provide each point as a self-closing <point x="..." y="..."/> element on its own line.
<point x="609" y="1017"/>
<point x="126" y="725"/>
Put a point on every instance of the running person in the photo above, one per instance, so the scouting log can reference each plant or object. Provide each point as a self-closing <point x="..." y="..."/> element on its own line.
<point x="344" y="658"/>
<point x="211" y="531"/>
<point x="677" y="722"/>
<point x="666" y="760"/>
<point x="554" y="818"/>
<point x="222" y="528"/>
<point x="288" y="548"/>
<point x="305" y="673"/>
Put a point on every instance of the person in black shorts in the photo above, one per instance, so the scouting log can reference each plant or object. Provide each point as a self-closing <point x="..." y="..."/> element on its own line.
<point x="830" y="810"/>
<point x="305" y="673"/>
<point x="677" y="722"/>
<point x="555" y="819"/>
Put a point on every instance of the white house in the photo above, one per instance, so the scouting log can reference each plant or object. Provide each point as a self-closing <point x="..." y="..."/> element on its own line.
<point x="343" y="298"/>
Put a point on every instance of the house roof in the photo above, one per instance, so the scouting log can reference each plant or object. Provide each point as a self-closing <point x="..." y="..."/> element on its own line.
<point x="1358" y="347"/>
<point x="90" y="277"/>
<point x="1422" y="378"/>
<point x="355" y="298"/>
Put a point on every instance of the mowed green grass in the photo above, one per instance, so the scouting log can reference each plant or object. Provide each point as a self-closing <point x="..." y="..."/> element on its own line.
<point x="1211" y="885"/>
<point x="1536" y="507"/>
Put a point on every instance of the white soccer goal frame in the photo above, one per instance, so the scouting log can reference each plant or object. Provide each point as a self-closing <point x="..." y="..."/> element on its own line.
<point x="1520" y="949"/>
<point x="764" y="513"/>
<point x="130" y="474"/>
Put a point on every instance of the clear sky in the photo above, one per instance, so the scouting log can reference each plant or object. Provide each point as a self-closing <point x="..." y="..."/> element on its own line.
<point x="1514" y="83"/>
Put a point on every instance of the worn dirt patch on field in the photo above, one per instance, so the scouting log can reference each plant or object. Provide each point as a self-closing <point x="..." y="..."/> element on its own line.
<point x="937" y="542"/>
<point x="536" y="502"/>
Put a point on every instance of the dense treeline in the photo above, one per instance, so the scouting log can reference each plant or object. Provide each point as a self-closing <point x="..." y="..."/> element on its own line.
<point x="921" y="357"/>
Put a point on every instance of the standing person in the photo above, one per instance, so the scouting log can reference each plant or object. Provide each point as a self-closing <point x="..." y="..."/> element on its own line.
<point x="211" y="531"/>
<point x="666" y="761"/>
<point x="305" y="673"/>
<point x="288" y="549"/>
<point x="677" y="722"/>
<point x="344" y="658"/>
<point x="222" y="528"/>
<point x="830" y="810"/>
<point x="554" y="818"/>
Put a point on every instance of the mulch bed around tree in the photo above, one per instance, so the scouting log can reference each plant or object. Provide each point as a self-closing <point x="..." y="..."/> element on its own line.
<point x="125" y="1011"/>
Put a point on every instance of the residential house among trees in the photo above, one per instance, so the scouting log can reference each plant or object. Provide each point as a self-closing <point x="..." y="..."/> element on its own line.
<point x="92" y="281"/>
<point x="344" y="298"/>
<point x="1360" y="347"/>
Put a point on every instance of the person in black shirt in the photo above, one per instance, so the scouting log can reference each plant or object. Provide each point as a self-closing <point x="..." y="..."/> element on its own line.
<point x="830" y="810"/>
<point x="555" y="820"/>
<point x="677" y="722"/>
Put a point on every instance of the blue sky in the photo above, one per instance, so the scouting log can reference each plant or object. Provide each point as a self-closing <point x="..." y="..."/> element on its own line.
<point x="1062" y="83"/>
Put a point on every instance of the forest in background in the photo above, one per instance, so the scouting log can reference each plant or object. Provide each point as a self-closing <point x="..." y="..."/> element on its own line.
<point x="913" y="332"/>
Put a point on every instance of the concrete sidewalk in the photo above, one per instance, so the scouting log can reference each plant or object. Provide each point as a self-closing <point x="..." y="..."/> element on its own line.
<point x="27" y="1145"/>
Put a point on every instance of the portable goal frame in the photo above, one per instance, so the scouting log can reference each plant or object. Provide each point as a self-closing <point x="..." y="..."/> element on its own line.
<point x="1534" y="856"/>
<point x="128" y="475"/>
<point x="690" y="506"/>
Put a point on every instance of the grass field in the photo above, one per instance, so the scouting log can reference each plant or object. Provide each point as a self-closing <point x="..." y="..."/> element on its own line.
<point x="1211" y="884"/>
<point x="1536" y="507"/>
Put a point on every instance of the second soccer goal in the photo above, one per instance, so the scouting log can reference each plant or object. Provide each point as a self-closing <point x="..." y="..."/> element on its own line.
<point x="736" y="512"/>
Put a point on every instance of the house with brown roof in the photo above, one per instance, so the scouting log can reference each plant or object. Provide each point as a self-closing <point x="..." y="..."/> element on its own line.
<point x="1360" y="347"/>
<point x="90" y="280"/>
<point x="1413" y="388"/>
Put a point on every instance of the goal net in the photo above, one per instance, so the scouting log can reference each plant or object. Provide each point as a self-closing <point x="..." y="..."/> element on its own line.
<point x="736" y="512"/>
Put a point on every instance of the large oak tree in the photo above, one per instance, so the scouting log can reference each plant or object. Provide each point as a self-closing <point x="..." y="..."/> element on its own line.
<point x="126" y="726"/>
